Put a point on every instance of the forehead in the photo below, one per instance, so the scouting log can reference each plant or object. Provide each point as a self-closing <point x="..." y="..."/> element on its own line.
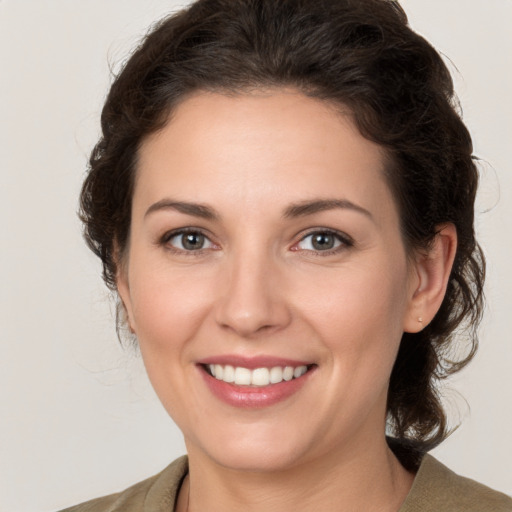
<point x="260" y="148"/>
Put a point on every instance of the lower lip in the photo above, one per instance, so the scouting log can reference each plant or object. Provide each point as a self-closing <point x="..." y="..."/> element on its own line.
<point x="251" y="396"/>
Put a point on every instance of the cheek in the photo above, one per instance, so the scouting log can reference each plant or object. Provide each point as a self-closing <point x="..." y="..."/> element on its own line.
<point x="168" y="307"/>
<point x="358" y="310"/>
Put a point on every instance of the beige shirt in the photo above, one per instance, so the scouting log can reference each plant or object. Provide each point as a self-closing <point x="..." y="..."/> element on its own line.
<point x="435" y="489"/>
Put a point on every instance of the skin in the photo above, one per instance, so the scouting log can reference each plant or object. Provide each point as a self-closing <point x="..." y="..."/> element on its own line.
<point x="257" y="288"/>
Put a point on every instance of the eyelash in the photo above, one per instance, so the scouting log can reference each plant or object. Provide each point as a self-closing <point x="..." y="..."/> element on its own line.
<point x="345" y="242"/>
<point x="167" y="237"/>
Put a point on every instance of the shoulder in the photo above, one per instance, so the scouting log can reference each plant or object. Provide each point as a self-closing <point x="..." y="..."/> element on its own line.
<point x="157" y="493"/>
<point x="438" y="489"/>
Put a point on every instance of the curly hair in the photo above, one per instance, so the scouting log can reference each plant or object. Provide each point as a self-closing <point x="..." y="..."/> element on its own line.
<point x="359" y="54"/>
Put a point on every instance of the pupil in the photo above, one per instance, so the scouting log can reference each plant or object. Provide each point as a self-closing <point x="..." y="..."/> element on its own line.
<point x="323" y="241"/>
<point x="193" y="241"/>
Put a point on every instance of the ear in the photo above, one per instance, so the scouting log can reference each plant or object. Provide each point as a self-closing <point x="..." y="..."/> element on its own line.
<point x="123" y="289"/>
<point x="429" y="279"/>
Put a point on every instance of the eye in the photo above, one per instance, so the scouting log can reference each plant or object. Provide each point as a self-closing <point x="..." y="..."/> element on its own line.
<point x="323" y="241"/>
<point x="188" y="241"/>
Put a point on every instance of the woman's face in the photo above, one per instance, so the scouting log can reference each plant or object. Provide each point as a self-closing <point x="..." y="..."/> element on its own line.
<point x="264" y="243"/>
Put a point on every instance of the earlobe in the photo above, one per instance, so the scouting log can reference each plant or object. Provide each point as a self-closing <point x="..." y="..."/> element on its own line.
<point x="123" y="290"/>
<point x="432" y="271"/>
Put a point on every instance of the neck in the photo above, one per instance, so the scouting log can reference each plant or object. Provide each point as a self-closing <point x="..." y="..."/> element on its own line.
<point x="371" y="479"/>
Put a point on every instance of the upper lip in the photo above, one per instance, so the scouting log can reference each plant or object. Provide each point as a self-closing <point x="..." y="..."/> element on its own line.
<point x="263" y="361"/>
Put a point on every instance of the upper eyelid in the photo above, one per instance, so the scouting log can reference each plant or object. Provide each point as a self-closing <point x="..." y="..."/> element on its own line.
<point x="346" y="242"/>
<point x="342" y="236"/>
<point x="164" y="241"/>
<point x="167" y="235"/>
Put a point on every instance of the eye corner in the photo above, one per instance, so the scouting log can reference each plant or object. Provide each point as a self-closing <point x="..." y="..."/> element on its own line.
<point x="328" y="242"/>
<point x="198" y="241"/>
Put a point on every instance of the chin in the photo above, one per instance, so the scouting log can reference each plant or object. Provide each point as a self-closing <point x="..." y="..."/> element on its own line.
<point x="256" y="461"/>
<point x="253" y="453"/>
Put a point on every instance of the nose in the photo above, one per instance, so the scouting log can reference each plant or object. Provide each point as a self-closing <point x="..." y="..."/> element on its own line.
<point x="253" y="299"/>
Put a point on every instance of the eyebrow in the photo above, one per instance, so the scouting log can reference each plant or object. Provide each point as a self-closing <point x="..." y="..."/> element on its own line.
<point x="300" y="209"/>
<point x="194" y="209"/>
<point x="319" y="205"/>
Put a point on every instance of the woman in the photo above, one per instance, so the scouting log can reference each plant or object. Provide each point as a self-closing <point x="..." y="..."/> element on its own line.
<point x="283" y="200"/>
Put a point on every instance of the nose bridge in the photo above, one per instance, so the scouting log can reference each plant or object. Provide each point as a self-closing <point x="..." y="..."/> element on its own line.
<point x="252" y="300"/>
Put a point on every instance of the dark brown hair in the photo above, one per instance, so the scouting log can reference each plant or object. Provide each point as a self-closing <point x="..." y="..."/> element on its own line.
<point x="359" y="54"/>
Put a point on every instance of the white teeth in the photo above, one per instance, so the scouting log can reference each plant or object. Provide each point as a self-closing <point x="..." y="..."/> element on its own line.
<point x="299" y="371"/>
<point x="288" y="373"/>
<point x="229" y="374"/>
<point x="276" y="375"/>
<point x="219" y="371"/>
<point x="242" y="376"/>
<point x="258" y="377"/>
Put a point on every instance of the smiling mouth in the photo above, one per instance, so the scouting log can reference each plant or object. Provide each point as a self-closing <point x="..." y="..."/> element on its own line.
<point x="257" y="377"/>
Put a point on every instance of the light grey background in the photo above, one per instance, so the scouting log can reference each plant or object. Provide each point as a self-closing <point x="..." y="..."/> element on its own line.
<point x="77" y="416"/>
